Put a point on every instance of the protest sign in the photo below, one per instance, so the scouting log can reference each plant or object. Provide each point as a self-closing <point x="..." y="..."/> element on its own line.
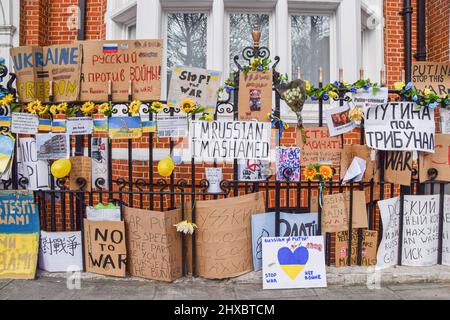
<point x="432" y="75"/>
<point x="263" y="226"/>
<point x="400" y="126"/>
<point x="198" y="84"/>
<point x="446" y="232"/>
<point x="223" y="237"/>
<point x="18" y="212"/>
<point x="387" y="255"/>
<point x="36" y="172"/>
<point x="60" y="250"/>
<point x="368" y="246"/>
<point x="253" y="170"/>
<point x="294" y="262"/>
<point x="288" y="164"/>
<point x="25" y="123"/>
<point x="79" y="126"/>
<point x="80" y="175"/>
<point x="349" y="152"/>
<point x="18" y="255"/>
<point x="440" y="160"/>
<point x="7" y="143"/>
<point x="52" y="146"/>
<point x="398" y="167"/>
<point x="336" y="211"/>
<point x="372" y="96"/>
<point x="153" y="244"/>
<point x="135" y="62"/>
<point x="229" y="140"/>
<point x="125" y="127"/>
<point x="445" y="120"/>
<point x="214" y="177"/>
<point x="355" y="171"/>
<point x="171" y="126"/>
<point x="319" y="146"/>
<point x="103" y="213"/>
<point x="105" y="248"/>
<point x="99" y="155"/>
<point x="294" y="225"/>
<point x="38" y="67"/>
<point x="338" y="121"/>
<point x="255" y="95"/>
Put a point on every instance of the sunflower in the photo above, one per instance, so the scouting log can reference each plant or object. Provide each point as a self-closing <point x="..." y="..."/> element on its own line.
<point x="88" y="108"/>
<point x="43" y="110"/>
<point x="309" y="173"/>
<point x="103" y="108"/>
<point x="207" y="117"/>
<point x="399" y="86"/>
<point x="187" y="105"/>
<point x="134" y="107"/>
<point x="62" y="107"/>
<point x="156" y="107"/>
<point x="54" y="110"/>
<point x="6" y="100"/>
<point x="326" y="172"/>
<point x="34" y="106"/>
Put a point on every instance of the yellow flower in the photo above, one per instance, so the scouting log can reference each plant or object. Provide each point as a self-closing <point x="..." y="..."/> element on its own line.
<point x="7" y="100"/>
<point x="88" y="108"/>
<point x="43" y="109"/>
<point x="34" y="106"/>
<point x="157" y="106"/>
<point x="356" y="114"/>
<point x="399" y="86"/>
<point x="185" y="227"/>
<point x="326" y="172"/>
<point x="54" y="110"/>
<point x="309" y="173"/>
<point x="187" y="105"/>
<point x="333" y="95"/>
<point x="62" y="107"/>
<point x="208" y="117"/>
<point x="307" y="85"/>
<point x="134" y="107"/>
<point x="427" y="92"/>
<point x="103" y="108"/>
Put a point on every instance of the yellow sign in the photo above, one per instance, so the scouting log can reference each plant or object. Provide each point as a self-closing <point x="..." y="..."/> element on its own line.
<point x="18" y="255"/>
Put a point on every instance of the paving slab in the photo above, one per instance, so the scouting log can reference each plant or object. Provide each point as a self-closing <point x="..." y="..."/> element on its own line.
<point x="44" y="289"/>
<point x="255" y="292"/>
<point x="181" y="292"/>
<point x="356" y="293"/>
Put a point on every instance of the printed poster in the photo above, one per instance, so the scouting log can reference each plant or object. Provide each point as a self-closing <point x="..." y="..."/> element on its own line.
<point x="125" y="128"/>
<point x="171" y="126"/>
<point x="99" y="156"/>
<point x="52" y="146"/>
<point x="288" y="164"/>
<point x="77" y="126"/>
<point x="60" y="250"/>
<point x="6" y="151"/>
<point x="253" y="170"/>
<point x="24" y="123"/>
<point x="294" y="262"/>
<point x="103" y="213"/>
<point x="338" y="121"/>
<point x="371" y="96"/>
<point x="255" y="95"/>
<point x="214" y="178"/>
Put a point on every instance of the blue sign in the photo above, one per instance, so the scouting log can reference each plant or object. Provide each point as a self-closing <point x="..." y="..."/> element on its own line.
<point x="18" y="212"/>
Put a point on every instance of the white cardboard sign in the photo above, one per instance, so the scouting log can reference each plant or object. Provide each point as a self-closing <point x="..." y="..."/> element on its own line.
<point x="24" y="123"/>
<point x="79" y="126"/>
<point x="60" y="250"/>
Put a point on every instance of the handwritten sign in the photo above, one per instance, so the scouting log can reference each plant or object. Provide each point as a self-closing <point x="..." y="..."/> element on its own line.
<point x="37" y="172"/>
<point x="228" y="140"/>
<point x="198" y="84"/>
<point x="398" y="167"/>
<point x="25" y="123"/>
<point x="79" y="126"/>
<point x="368" y="246"/>
<point x="80" y="175"/>
<point x="99" y="155"/>
<point x="446" y="232"/>
<point x="214" y="178"/>
<point x="440" y="160"/>
<point x="19" y="253"/>
<point x="18" y="212"/>
<point x="121" y="62"/>
<point x="432" y="75"/>
<point x="294" y="262"/>
<point x="60" y="250"/>
<point x="224" y="241"/>
<point x="304" y="225"/>
<point x="387" y="255"/>
<point x="105" y="248"/>
<point x="400" y="126"/>
<point x="255" y="95"/>
<point x="35" y="67"/>
<point x="153" y="244"/>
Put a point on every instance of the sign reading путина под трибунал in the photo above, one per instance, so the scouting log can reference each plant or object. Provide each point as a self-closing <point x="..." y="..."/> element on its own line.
<point x="402" y="126"/>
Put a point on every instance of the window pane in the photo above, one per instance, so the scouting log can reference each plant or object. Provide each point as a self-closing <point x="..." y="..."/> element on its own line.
<point x="241" y="33"/>
<point x="310" y="38"/>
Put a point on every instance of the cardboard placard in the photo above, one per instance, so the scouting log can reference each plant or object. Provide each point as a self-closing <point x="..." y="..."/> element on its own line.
<point x="60" y="250"/>
<point x="255" y="95"/>
<point x="223" y="237"/>
<point x="229" y="140"/>
<point x="432" y="75"/>
<point x="18" y="212"/>
<point x="35" y="67"/>
<point x="294" y="262"/>
<point x="198" y="84"/>
<point x="81" y="168"/>
<point x="19" y="254"/>
<point x="440" y="160"/>
<point x="153" y="244"/>
<point x="105" y="248"/>
<point x="120" y="62"/>
<point x="369" y="248"/>
<point x="336" y="211"/>
<point x="363" y="152"/>
<point x="398" y="167"/>
<point x="400" y="126"/>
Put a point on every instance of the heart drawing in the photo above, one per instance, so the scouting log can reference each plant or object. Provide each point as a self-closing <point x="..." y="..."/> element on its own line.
<point x="293" y="263"/>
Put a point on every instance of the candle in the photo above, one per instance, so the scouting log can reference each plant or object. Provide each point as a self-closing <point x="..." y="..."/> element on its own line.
<point x="109" y="87"/>
<point x="299" y="73"/>
<point x="50" y="89"/>
<point x="382" y="82"/>
<point x="130" y="86"/>
<point x="320" y="75"/>
<point x="361" y="74"/>
<point x="341" y="75"/>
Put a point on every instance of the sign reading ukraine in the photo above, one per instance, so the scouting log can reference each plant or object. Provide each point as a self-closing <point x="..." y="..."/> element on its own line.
<point x="294" y="262"/>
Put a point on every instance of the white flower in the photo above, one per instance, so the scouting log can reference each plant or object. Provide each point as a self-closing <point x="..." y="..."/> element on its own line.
<point x="185" y="227"/>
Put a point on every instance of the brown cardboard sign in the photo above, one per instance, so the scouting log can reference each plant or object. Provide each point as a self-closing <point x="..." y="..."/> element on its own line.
<point x="105" y="247"/>
<point x="36" y="66"/>
<point x="432" y="75"/>
<point x="336" y="211"/>
<point x="398" y="167"/>
<point x="223" y="238"/>
<point x="255" y="95"/>
<point x="81" y="168"/>
<point x="363" y="152"/>
<point x="320" y="146"/>
<point x="369" y="248"/>
<point x="153" y="244"/>
<point x="440" y="160"/>
<point x="120" y="62"/>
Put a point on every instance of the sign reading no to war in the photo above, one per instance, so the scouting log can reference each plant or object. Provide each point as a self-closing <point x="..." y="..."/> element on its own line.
<point x="401" y="126"/>
<point x="229" y="140"/>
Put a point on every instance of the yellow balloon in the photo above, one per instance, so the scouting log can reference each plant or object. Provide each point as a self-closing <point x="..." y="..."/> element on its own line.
<point x="61" y="168"/>
<point x="165" y="167"/>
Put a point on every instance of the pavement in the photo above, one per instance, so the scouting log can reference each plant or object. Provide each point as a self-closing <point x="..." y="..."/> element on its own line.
<point x="399" y="283"/>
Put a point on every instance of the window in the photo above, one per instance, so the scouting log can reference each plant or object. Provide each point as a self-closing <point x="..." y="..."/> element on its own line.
<point x="241" y="34"/>
<point x="310" y="47"/>
<point x="131" y="32"/>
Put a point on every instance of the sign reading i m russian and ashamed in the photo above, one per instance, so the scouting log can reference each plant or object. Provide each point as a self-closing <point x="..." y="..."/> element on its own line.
<point x="228" y="140"/>
<point x="401" y="126"/>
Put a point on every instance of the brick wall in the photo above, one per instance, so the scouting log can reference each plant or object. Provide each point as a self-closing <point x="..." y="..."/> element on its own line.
<point x="438" y="30"/>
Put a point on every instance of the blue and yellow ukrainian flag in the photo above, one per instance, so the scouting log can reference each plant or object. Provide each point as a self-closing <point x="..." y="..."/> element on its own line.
<point x="58" y="126"/>
<point x="5" y="121"/>
<point x="125" y="127"/>
<point x="148" y="126"/>
<point x="45" y="125"/>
